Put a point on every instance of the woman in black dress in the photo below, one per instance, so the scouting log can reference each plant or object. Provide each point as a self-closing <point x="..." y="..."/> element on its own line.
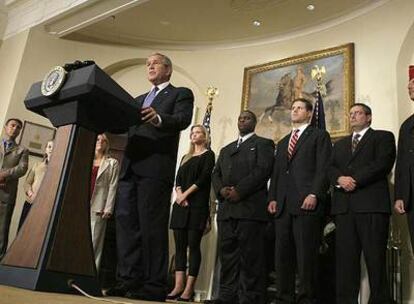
<point x="191" y="211"/>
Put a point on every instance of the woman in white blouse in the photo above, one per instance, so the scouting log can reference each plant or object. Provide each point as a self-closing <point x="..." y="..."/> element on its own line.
<point x="104" y="181"/>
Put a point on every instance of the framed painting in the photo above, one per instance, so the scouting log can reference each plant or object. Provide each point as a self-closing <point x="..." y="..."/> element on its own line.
<point x="270" y="88"/>
<point x="35" y="137"/>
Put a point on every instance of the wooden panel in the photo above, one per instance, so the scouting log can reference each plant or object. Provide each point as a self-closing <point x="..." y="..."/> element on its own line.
<point x="26" y="248"/>
<point x="71" y="250"/>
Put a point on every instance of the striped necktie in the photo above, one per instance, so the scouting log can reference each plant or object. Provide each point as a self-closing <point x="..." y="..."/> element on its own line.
<point x="355" y="142"/>
<point x="292" y="143"/>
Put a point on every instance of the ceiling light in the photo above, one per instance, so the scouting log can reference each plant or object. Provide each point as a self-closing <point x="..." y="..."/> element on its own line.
<point x="257" y="23"/>
<point x="310" y="7"/>
<point x="164" y="22"/>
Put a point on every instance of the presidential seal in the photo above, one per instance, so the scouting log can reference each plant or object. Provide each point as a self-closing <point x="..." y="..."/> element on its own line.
<point x="53" y="81"/>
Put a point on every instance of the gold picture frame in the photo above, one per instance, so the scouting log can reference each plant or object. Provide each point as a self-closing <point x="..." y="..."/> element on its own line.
<point x="35" y="137"/>
<point x="270" y="88"/>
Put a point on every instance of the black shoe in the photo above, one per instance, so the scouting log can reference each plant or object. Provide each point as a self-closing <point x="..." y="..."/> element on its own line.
<point x="190" y="299"/>
<point x="139" y="295"/>
<point x="174" y="296"/>
<point x="118" y="290"/>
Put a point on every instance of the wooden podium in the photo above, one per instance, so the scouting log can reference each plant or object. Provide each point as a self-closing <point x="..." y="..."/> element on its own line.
<point x="54" y="246"/>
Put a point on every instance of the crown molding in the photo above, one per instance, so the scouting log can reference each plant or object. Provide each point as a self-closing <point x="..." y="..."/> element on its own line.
<point x="59" y="16"/>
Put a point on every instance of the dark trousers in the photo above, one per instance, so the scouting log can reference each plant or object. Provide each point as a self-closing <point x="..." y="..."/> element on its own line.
<point x="241" y="252"/>
<point x="142" y="211"/>
<point x="185" y="238"/>
<point x="366" y="232"/>
<point x="25" y="212"/>
<point x="6" y="212"/>
<point x="297" y="241"/>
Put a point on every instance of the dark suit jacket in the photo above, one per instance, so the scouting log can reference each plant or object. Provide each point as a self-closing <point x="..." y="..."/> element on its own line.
<point x="248" y="169"/>
<point x="369" y="165"/>
<point x="404" y="170"/>
<point x="152" y="151"/>
<point x="304" y="174"/>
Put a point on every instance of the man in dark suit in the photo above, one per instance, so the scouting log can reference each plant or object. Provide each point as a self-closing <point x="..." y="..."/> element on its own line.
<point x="145" y="185"/>
<point x="13" y="165"/>
<point x="296" y="198"/>
<point x="240" y="182"/>
<point x="358" y="172"/>
<point x="404" y="177"/>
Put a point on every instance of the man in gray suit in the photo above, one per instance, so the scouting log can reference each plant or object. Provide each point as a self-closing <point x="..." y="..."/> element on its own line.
<point x="13" y="165"/>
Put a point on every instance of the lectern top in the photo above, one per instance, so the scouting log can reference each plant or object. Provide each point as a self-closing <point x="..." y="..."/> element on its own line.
<point x="89" y="98"/>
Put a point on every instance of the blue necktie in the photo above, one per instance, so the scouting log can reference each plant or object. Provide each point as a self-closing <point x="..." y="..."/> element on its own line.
<point x="150" y="98"/>
<point x="8" y="145"/>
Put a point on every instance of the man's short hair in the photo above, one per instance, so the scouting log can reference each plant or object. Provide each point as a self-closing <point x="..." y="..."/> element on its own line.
<point x="308" y="104"/>
<point x="165" y="59"/>
<point x="251" y="113"/>
<point x="16" y="120"/>
<point x="367" y="110"/>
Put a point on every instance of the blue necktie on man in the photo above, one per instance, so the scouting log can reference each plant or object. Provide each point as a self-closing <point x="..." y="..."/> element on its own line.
<point x="150" y="97"/>
<point x="7" y="145"/>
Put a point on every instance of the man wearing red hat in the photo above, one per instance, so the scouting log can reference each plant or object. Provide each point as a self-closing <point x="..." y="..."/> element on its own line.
<point x="404" y="170"/>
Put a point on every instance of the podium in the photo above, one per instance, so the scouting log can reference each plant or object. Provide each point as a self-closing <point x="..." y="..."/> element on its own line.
<point x="53" y="249"/>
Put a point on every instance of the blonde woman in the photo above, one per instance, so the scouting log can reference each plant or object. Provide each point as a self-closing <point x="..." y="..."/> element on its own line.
<point x="33" y="180"/>
<point x="104" y="181"/>
<point x="190" y="211"/>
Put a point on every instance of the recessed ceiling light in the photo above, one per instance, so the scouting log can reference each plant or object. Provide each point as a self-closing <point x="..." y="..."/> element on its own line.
<point x="257" y="23"/>
<point x="164" y="22"/>
<point x="310" y="7"/>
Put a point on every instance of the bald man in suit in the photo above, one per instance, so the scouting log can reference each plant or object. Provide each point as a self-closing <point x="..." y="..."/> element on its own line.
<point x="240" y="183"/>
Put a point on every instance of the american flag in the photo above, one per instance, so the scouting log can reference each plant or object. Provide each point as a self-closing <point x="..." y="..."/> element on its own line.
<point x="318" y="116"/>
<point x="206" y="119"/>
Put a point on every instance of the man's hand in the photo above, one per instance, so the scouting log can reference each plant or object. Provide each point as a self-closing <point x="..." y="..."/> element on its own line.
<point x="347" y="183"/>
<point x="149" y="115"/>
<point x="30" y="195"/>
<point x="225" y="191"/>
<point x="399" y="206"/>
<point x="309" y="203"/>
<point x="233" y="195"/>
<point x="180" y="197"/>
<point x="272" y="207"/>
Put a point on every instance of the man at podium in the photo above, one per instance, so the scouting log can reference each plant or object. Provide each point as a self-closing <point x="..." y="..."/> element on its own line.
<point x="145" y="184"/>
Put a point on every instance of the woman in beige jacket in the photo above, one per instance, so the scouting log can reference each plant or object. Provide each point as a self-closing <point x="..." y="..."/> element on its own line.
<point x="104" y="181"/>
<point x="33" y="180"/>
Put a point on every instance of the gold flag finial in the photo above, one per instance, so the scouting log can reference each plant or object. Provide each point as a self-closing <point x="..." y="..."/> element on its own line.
<point x="211" y="92"/>
<point x="318" y="76"/>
